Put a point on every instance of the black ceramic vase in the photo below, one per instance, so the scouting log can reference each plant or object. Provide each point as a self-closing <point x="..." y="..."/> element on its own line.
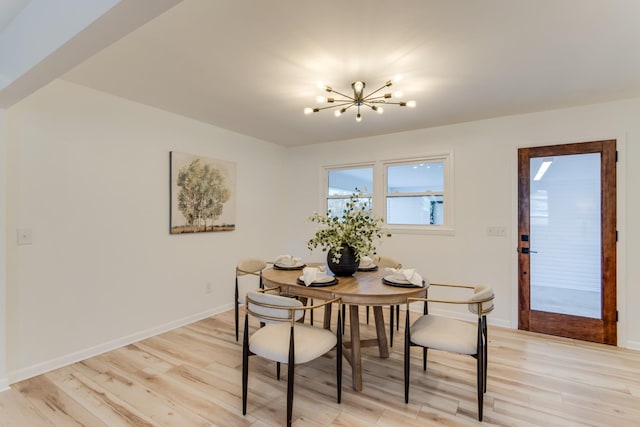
<point x="347" y="265"/>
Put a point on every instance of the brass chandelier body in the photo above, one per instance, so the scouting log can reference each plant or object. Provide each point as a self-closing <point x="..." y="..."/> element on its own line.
<point x="373" y="100"/>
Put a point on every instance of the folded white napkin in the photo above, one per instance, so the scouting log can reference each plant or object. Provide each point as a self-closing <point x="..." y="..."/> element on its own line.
<point x="313" y="274"/>
<point x="408" y="274"/>
<point x="287" y="260"/>
<point x="365" y="262"/>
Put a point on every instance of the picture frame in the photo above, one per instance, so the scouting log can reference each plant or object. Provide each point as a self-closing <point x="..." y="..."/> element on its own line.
<point x="202" y="194"/>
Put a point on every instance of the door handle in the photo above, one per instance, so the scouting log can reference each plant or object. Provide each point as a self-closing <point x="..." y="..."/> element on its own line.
<point x="528" y="251"/>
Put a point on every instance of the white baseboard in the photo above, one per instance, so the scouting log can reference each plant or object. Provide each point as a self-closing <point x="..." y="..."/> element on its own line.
<point x="633" y="345"/>
<point x="4" y="384"/>
<point x="59" y="362"/>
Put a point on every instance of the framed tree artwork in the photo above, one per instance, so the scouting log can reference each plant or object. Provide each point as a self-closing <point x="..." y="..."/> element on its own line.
<point x="202" y="194"/>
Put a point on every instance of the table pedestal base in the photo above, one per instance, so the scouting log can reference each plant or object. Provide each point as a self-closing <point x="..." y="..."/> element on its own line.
<point x="351" y="349"/>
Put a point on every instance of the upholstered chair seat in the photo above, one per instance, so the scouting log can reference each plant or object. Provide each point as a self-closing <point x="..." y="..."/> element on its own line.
<point x="454" y="336"/>
<point x="283" y="338"/>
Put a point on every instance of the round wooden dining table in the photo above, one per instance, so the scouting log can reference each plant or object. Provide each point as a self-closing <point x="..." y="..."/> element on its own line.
<point x="363" y="288"/>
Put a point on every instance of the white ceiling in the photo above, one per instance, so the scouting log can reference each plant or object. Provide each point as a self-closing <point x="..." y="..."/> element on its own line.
<point x="9" y="9"/>
<point x="252" y="66"/>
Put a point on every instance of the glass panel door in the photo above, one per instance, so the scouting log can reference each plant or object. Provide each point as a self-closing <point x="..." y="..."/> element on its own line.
<point x="567" y="240"/>
<point x="565" y="245"/>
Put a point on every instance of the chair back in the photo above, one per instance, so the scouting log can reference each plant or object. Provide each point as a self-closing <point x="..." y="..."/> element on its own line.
<point x="250" y="266"/>
<point x="386" y="262"/>
<point x="484" y="294"/>
<point x="272" y="308"/>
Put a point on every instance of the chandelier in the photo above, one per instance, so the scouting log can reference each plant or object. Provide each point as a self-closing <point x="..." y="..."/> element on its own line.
<point x="373" y="100"/>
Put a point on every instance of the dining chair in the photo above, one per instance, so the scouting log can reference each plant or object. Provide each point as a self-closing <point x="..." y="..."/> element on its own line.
<point x="456" y="336"/>
<point x="247" y="267"/>
<point x="284" y="339"/>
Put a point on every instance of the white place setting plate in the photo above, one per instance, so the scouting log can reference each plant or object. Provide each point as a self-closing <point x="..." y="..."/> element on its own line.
<point x="323" y="281"/>
<point x="401" y="283"/>
<point x="296" y="266"/>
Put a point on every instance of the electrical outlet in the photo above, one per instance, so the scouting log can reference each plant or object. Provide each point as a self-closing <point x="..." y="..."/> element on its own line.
<point x="208" y="287"/>
<point x="496" y="231"/>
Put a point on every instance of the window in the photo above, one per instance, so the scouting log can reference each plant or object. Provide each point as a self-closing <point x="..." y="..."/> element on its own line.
<point x="412" y="195"/>
<point x="343" y="182"/>
<point x="415" y="192"/>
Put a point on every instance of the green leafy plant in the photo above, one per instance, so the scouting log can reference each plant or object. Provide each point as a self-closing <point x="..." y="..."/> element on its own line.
<point x="356" y="227"/>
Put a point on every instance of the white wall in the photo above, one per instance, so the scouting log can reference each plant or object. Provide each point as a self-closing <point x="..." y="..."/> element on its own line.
<point x="4" y="138"/>
<point x="89" y="175"/>
<point x="485" y="157"/>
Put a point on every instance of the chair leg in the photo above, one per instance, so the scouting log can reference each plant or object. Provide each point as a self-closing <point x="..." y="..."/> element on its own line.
<point x="311" y="314"/>
<point x="344" y="311"/>
<point x="391" y="316"/>
<point x="480" y="386"/>
<point x="237" y="331"/>
<point x="278" y="370"/>
<point x="424" y="358"/>
<point x="486" y="346"/>
<point x="480" y="370"/>
<point x="367" y="315"/>
<point x="292" y="363"/>
<point x="339" y="358"/>
<point x="236" y="307"/>
<point x="245" y="364"/>
<point x="407" y="349"/>
<point x="397" y="317"/>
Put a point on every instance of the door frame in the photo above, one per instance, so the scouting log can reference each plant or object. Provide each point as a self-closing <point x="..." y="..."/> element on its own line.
<point x="585" y="327"/>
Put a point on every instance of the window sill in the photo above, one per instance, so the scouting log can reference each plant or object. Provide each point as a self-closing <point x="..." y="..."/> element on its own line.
<point x="433" y="230"/>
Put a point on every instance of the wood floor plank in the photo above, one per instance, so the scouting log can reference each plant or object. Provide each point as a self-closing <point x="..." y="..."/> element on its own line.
<point x="56" y="405"/>
<point x="103" y="404"/>
<point x="191" y="394"/>
<point x="191" y="377"/>
<point x="17" y="410"/>
<point x="159" y="408"/>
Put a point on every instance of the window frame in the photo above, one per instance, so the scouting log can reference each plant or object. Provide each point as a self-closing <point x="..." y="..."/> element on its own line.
<point x="378" y="193"/>
<point x="447" y="195"/>
<point x="324" y="190"/>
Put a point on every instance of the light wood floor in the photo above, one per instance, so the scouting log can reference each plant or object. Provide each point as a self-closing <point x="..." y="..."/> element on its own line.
<point x="191" y="377"/>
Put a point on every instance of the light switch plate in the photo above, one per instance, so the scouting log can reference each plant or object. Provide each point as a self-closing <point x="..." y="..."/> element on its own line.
<point x="496" y="231"/>
<point x="24" y="236"/>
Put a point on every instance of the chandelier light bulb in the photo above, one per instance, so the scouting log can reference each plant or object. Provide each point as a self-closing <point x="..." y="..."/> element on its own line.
<point x="398" y="94"/>
<point x="358" y="118"/>
<point x="358" y="87"/>
<point x="337" y="113"/>
<point x="397" y="78"/>
<point x="411" y="104"/>
<point x="380" y="110"/>
<point x="308" y="110"/>
<point x="320" y="99"/>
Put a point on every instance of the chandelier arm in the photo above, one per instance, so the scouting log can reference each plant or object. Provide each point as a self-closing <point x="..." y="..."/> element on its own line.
<point x="380" y="99"/>
<point x="374" y="92"/>
<point x="343" y="101"/>
<point x="368" y="104"/>
<point x="342" y="94"/>
<point x="334" y="106"/>
<point x="350" y="105"/>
